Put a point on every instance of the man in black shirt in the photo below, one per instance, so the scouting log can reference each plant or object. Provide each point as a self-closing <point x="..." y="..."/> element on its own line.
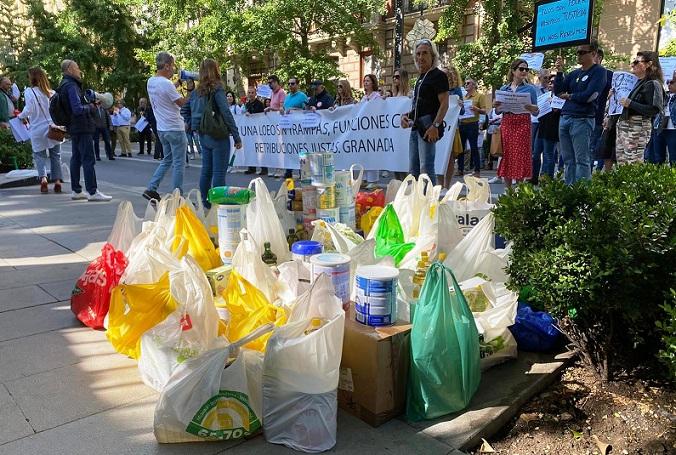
<point x="254" y="106"/>
<point x="321" y="98"/>
<point x="430" y="103"/>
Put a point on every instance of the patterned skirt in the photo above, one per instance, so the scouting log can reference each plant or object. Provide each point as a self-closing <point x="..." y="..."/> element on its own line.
<point x="633" y="135"/>
<point x="516" y="162"/>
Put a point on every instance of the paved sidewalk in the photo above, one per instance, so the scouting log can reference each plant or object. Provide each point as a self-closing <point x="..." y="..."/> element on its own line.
<point x="63" y="390"/>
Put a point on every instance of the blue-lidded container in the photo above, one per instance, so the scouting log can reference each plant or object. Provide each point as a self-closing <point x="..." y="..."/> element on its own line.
<point x="376" y="295"/>
<point x="303" y="249"/>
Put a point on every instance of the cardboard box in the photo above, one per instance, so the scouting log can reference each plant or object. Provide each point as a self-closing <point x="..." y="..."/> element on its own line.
<point x="218" y="278"/>
<point x="374" y="371"/>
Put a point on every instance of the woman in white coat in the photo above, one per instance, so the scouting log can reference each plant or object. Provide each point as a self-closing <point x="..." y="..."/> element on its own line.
<point x="37" y="113"/>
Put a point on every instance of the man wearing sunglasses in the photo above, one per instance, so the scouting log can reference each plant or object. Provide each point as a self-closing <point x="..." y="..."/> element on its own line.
<point x="581" y="89"/>
<point x="295" y="99"/>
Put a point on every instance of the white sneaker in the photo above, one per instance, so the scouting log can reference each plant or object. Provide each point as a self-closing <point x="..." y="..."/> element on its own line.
<point x="98" y="197"/>
<point x="496" y="179"/>
<point x="77" y="196"/>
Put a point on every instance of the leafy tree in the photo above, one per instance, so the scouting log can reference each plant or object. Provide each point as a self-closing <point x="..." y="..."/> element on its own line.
<point x="100" y="35"/>
<point x="279" y="32"/>
<point x="10" y="30"/>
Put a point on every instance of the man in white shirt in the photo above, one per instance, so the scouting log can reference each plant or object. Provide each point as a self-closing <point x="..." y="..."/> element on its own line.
<point x="121" y="118"/>
<point x="166" y="103"/>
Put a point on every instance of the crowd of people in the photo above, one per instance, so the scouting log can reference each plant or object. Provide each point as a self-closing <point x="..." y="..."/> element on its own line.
<point x="578" y="138"/>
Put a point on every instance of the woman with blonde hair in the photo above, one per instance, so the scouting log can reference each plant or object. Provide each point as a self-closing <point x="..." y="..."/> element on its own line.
<point x="400" y="83"/>
<point x="36" y="112"/>
<point x="215" y="147"/>
<point x="344" y="94"/>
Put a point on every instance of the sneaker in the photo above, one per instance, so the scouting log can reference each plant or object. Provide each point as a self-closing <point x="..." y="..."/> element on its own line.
<point x="150" y="195"/>
<point x="98" y="197"/>
<point x="496" y="179"/>
<point x="251" y="170"/>
<point x="77" y="196"/>
<point x="264" y="171"/>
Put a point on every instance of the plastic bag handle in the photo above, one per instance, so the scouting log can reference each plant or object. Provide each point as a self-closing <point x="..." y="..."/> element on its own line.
<point x="198" y="200"/>
<point x="401" y="192"/>
<point x="436" y="265"/>
<point x="257" y="333"/>
<point x="356" y="182"/>
<point x="453" y="192"/>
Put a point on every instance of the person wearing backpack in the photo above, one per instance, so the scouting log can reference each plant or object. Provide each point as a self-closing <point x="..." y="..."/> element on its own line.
<point x="166" y="103"/>
<point x="71" y="109"/>
<point x="210" y="116"/>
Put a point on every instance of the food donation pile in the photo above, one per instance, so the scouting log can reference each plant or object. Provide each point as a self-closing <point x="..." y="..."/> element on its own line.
<point x="271" y="311"/>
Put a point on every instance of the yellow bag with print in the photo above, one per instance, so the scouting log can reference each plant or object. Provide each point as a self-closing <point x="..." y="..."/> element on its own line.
<point x="134" y="309"/>
<point x="249" y="309"/>
<point x="200" y="247"/>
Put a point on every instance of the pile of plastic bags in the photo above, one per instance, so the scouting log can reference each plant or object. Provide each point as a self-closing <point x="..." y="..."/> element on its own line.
<point x="264" y="351"/>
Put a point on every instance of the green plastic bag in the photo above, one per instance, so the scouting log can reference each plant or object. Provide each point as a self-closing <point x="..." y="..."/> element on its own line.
<point x="390" y="237"/>
<point x="444" y="372"/>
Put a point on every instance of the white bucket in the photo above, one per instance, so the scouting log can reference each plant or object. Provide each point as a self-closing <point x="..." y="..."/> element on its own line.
<point x="337" y="267"/>
<point x="376" y="296"/>
<point x="231" y="220"/>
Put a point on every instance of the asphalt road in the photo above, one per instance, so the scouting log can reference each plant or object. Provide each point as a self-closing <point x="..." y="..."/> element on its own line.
<point x="133" y="174"/>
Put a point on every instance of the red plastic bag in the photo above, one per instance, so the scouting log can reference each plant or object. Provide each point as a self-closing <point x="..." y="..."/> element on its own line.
<point x="367" y="199"/>
<point x="91" y="296"/>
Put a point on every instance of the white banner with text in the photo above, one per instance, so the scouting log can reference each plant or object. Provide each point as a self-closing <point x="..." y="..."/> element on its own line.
<point x="366" y="133"/>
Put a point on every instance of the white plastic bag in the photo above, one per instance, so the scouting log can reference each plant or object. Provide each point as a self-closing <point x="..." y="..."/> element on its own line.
<point x="286" y="217"/>
<point x="205" y="400"/>
<point x="150" y="256"/>
<point x="494" y="308"/>
<point x="186" y="333"/>
<point x="391" y="190"/>
<point x="248" y="263"/>
<point x="476" y="204"/>
<point x="125" y="228"/>
<point x="263" y="223"/>
<point x="301" y="371"/>
<point x="475" y="254"/>
<point x="335" y="236"/>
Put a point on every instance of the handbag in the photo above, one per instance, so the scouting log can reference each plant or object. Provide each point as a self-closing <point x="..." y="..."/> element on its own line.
<point x="496" y="143"/>
<point x="54" y="133"/>
<point x="606" y="147"/>
<point x="422" y="124"/>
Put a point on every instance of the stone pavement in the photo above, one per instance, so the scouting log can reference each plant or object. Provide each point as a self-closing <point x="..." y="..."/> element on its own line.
<point x="63" y="389"/>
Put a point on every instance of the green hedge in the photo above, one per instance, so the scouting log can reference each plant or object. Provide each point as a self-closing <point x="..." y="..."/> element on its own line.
<point x="601" y="256"/>
<point x="14" y="153"/>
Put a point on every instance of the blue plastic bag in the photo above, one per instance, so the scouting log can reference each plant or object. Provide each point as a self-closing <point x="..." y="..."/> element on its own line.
<point x="535" y="331"/>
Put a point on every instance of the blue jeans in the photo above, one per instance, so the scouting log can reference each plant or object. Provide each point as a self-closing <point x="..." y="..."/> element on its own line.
<point x="106" y="141"/>
<point x="594" y="144"/>
<point x="421" y="156"/>
<point x="215" y="156"/>
<point x="470" y="132"/>
<point x="54" y="158"/>
<point x="574" y="136"/>
<point x="174" y="146"/>
<point x="547" y="149"/>
<point x="663" y="142"/>
<point x="82" y="156"/>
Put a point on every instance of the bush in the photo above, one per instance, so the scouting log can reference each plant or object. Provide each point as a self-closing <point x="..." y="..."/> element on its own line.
<point x="14" y="153"/>
<point x="600" y="256"/>
<point x="667" y="329"/>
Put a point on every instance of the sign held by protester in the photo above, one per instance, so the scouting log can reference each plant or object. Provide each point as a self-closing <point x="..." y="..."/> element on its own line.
<point x="623" y="83"/>
<point x="366" y="133"/>
<point x="562" y="23"/>
<point x="513" y="102"/>
<point x="534" y="60"/>
<point x="668" y="65"/>
<point x="264" y="91"/>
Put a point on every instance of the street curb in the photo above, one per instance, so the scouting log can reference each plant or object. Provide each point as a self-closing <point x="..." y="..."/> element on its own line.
<point x="503" y="391"/>
<point x="15" y="183"/>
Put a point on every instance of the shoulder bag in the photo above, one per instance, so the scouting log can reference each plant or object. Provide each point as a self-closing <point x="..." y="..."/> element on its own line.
<point x="423" y="123"/>
<point x="54" y="132"/>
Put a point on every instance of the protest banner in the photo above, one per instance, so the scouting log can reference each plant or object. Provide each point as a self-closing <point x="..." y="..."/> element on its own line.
<point x="622" y="85"/>
<point x="562" y="23"/>
<point x="366" y="133"/>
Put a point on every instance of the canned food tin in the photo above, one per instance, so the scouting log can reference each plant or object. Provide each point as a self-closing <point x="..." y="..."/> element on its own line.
<point x="329" y="215"/>
<point x="326" y="196"/>
<point x="321" y="168"/>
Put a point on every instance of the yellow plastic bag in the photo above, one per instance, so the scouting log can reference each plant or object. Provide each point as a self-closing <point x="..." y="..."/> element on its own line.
<point x="249" y="309"/>
<point x="200" y="247"/>
<point x="134" y="309"/>
<point x="369" y="218"/>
